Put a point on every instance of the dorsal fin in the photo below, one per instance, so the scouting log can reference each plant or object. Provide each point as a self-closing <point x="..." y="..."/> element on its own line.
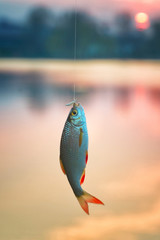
<point x="62" y="167"/>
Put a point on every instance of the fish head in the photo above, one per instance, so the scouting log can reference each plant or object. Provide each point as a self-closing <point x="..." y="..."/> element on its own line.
<point x="77" y="115"/>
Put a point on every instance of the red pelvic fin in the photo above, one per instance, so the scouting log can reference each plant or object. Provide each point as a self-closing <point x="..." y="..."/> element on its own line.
<point x="86" y="157"/>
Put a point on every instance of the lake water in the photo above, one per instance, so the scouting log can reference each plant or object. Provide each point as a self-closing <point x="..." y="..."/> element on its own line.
<point x="36" y="201"/>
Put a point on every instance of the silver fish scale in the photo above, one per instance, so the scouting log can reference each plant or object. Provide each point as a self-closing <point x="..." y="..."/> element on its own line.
<point x="72" y="155"/>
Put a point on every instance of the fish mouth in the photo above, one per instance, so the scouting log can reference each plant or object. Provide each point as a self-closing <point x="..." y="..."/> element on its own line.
<point x="75" y="104"/>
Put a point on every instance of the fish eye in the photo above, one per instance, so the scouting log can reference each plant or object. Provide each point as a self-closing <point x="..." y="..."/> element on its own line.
<point x="74" y="112"/>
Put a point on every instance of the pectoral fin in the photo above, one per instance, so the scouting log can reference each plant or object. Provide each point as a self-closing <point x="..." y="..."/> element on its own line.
<point x="80" y="137"/>
<point x="61" y="164"/>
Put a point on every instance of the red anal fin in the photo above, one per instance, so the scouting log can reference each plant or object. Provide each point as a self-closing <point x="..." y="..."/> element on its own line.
<point x="80" y="137"/>
<point x="86" y="157"/>
<point x="61" y="164"/>
<point x="82" y="177"/>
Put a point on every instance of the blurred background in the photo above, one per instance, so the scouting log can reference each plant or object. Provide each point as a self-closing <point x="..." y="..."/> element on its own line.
<point x="117" y="78"/>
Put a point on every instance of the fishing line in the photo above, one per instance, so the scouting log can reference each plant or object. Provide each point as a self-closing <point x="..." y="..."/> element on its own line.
<point x="75" y="51"/>
<point x="75" y="44"/>
<point x="75" y="31"/>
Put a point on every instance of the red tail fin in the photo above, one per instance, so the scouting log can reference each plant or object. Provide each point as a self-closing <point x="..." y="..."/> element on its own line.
<point x="91" y="199"/>
<point x="87" y="198"/>
<point x="83" y="203"/>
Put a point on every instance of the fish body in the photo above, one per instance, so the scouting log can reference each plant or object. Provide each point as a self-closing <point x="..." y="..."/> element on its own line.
<point x="74" y="154"/>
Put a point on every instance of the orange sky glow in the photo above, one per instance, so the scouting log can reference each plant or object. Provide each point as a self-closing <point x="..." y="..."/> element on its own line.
<point x="149" y="6"/>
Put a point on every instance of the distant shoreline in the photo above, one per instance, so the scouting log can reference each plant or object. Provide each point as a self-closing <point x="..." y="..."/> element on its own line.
<point x="88" y="72"/>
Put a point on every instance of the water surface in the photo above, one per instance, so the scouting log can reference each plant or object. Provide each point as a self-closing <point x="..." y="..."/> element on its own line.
<point x="37" y="202"/>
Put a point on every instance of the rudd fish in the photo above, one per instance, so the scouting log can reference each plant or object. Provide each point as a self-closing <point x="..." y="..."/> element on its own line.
<point x="74" y="154"/>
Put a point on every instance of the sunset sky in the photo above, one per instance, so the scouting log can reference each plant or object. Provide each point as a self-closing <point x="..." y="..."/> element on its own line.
<point x="18" y="9"/>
